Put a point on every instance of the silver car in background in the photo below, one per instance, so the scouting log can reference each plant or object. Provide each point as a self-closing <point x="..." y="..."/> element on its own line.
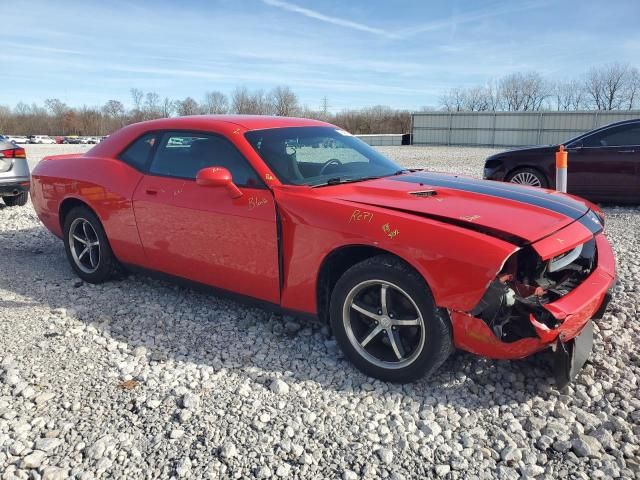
<point x="14" y="173"/>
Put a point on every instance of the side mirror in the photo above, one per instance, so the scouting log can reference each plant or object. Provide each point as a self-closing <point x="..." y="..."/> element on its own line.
<point x="218" y="177"/>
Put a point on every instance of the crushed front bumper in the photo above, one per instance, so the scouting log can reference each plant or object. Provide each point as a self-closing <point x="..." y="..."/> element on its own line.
<point x="573" y="311"/>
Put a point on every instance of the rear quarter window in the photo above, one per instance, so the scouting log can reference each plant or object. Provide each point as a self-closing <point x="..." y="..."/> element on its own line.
<point x="139" y="152"/>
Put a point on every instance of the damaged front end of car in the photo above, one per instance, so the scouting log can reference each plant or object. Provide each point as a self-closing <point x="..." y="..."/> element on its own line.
<point x="540" y="301"/>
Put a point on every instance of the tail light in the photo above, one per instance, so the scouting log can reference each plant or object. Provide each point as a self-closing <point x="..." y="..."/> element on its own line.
<point x="13" y="153"/>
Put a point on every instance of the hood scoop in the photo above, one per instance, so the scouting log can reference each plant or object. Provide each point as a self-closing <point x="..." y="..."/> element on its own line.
<point x="424" y="193"/>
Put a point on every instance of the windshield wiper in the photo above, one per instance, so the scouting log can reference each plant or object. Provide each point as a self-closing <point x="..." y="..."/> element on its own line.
<point x="340" y="180"/>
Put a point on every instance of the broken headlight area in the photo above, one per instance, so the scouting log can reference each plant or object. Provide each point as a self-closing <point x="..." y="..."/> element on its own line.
<point x="513" y="305"/>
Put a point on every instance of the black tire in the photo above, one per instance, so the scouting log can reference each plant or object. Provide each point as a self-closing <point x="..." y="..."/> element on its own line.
<point x="106" y="265"/>
<point x="410" y="290"/>
<point x="16" y="200"/>
<point x="528" y="173"/>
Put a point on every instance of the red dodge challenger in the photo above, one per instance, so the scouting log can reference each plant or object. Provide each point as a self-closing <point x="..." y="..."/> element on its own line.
<point x="405" y="265"/>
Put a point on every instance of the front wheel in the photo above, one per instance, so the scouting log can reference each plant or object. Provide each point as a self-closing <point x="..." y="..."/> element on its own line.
<point x="528" y="176"/>
<point x="384" y="318"/>
<point x="87" y="246"/>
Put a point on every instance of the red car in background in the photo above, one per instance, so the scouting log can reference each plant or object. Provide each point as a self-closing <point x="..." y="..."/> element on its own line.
<point x="299" y="214"/>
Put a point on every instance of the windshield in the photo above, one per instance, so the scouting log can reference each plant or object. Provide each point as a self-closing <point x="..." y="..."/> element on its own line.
<point x="319" y="155"/>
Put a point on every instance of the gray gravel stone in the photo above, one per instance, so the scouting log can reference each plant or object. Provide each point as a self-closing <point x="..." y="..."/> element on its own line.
<point x="54" y="473"/>
<point x="47" y="444"/>
<point x="586" y="446"/>
<point x="385" y="455"/>
<point x="511" y="454"/>
<point x="228" y="450"/>
<point x="442" y="470"/>
<point x="34" y="459"/>
<point x="349" y="475"/>
<point x="279" y="387"/>
<point x="190" y="401"/>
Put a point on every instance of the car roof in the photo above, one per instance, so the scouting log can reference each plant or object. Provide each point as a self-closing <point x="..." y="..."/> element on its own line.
<point x="601" y="128"/>
<point x="116" y="141"/>
<point x="616" y="124"/>
<point x="249" y="122"/>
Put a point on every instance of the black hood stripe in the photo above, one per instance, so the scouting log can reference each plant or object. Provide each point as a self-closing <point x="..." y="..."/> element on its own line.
<point x="556" y="203"/>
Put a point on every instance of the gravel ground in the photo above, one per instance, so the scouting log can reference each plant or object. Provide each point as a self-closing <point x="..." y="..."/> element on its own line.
<point x="138" y="378"/>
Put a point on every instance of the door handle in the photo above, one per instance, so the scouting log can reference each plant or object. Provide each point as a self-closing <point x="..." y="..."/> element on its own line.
<point x="151" y="191"/>
<point x="626" y="151"/>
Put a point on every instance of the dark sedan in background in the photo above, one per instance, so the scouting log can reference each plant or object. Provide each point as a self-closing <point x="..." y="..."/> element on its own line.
<point x="604" y="164"/>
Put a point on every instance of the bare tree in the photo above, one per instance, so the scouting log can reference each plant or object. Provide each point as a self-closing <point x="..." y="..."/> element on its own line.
<point x="523" y="91"/>
<point x="188" y="106"/>
<point x="607" y="86"/>
<point x="113" y="109"/>
<point x="168" y="107"/>
<point x="57" y="110"/>
<point x="5" y="118"/>
<point x="477" y="99"/>
<point x="114" y="114"/>
<point x="136" y="96"/>
<point x="633" y="88"/>
<point x="453" y="100"/>
<point x="251" y="103"/>
<point x="284" y="102"/>
<point x="71" y="122"/>
<point x="215" y="103"/>
<point x="241" y="100"/>
<point x="569" y="95"/>
<point x="492" y="91"/>
<point x="21" y="109"/>
<point x="89" y="119"/>
<point x="152" y="108"/>
<point x="55" y="106"/>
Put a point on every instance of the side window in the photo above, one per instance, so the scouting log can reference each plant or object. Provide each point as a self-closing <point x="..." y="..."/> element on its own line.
<point x="615" y="137"/>
<point x="138" y="153"/>
<point x="183" y="154"/>
<point x="624" y="136"/>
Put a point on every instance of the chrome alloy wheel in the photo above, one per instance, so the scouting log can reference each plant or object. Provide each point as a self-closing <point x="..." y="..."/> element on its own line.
<point x="526" y="178"/>
<point x="84" y="245"/>
<point x="383" y="324"/>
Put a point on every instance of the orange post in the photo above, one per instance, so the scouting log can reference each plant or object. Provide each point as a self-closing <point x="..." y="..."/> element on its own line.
<point x="561" y="169"/>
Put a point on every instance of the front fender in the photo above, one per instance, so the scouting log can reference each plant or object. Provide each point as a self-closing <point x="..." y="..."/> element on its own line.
<point x="457" y="263"/>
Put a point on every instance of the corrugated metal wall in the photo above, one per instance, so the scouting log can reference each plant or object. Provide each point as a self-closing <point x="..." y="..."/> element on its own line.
<point x="508" y="128"/>
<point x="382" y="139"/>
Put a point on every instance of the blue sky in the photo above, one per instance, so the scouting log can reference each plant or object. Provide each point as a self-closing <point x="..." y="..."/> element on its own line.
<point x="357" y="53"/>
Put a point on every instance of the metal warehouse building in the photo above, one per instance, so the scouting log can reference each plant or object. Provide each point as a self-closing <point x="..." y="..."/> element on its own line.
<point x="508" y="128"/>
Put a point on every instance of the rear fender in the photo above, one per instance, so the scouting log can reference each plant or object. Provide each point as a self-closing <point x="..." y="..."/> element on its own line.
<point x="105" y="185"/>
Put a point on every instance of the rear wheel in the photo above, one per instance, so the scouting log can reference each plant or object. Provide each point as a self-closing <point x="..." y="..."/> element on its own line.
<point x="17" y="200"/>
<point x="87" y="246"/>
<point x="528" y="176"/>
<point x="385" y="320"/>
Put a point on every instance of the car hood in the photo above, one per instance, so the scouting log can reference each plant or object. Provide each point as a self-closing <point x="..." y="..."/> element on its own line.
<point x="513" y="212"/>
<point x="525" y="151"/>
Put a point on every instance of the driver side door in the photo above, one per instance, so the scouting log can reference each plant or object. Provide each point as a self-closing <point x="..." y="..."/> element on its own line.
<point x="201" y="233"/>
<point x="605" y="166"/>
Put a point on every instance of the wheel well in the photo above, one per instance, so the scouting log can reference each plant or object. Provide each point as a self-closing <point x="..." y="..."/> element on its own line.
<point x="528" y="167"/>
<point x="334" y="266"/>
<point x="66" y="206"/>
